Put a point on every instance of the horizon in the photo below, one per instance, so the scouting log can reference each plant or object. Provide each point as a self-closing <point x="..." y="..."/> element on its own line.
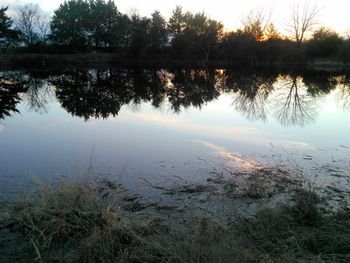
<point x="332" y="13"/>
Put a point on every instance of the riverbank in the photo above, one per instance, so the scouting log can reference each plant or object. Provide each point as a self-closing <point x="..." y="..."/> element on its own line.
<point x="88" y="222"/>
<point x="41" y="61"/>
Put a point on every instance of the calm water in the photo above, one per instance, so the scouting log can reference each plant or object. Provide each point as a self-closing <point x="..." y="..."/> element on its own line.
<point x="162" y="126"/>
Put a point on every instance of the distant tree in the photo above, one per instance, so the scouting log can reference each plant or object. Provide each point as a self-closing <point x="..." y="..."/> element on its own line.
<point x="324" y="43"/>
<point x="177" y="21"/>
<point x="194" y="36"/>
<point x="7" y="35"/>
<point x="85" y="23"/>
<point x="103" y="17"/>
<point x="238" y="46"/>
<point x="120" y="34"/>
<point x="69" y="23"/>
<point x="272" y="33"/>
<point x="139" y="36"/>
<point x="158" y="32"/>
<point x="324" y="33"/>
<point x="303" y="19"/>
<point x="32" y="24"/>
<point x="44" y="27"/>
<point x="213" y="35"/>
<point x="256" y="23"/>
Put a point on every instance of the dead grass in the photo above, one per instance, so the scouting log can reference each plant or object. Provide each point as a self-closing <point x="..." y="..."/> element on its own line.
<point x="79" y="222"/>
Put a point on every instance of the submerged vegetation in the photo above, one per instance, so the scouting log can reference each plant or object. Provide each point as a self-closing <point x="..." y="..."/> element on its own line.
<point x="82" y="222"/>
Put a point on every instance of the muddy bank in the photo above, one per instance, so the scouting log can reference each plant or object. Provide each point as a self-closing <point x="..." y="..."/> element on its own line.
<point x="86" y="222"/>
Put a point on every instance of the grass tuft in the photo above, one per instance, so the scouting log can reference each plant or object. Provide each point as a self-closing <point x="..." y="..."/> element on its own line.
<point x="79" y="222"/>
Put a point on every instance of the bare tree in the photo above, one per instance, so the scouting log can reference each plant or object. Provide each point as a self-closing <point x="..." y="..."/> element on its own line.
<point x="43" y="25"/>
<point x="32" y="23"/>
<point x="303" y="19"/>
<point x="256" y="23"/>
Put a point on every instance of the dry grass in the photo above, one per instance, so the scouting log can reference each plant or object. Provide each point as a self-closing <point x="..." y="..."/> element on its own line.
<point x="79" y="222"/>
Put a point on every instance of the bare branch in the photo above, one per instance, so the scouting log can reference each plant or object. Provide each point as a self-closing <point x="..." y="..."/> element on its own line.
<point x="256" y="23"/>
<point x="32" y="23"/>
<point x="303" y="20"/>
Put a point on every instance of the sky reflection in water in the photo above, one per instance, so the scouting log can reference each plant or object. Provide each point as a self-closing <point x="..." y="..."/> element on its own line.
<point x="165" y="123"/>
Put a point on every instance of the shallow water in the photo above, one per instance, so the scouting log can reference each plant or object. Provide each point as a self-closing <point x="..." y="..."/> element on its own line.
<point x="167" y="127"/>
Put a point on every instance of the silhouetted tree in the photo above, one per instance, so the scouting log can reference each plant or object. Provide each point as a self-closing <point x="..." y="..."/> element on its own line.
<point x="7" y="34"/>
<point x="93" y="23"/>
<point x="194" y="36"/>
<point x="70" y="22"/>
<point x="120" y="33"/>
<point x="324" y="43"/>
<point x="303" y="20"/>
<point x="177" y="22"/>
<point x="32" y="24"/>
<point x="103" y="17"/>
<point x="158" y="33"/>
<point x="139" y="36"/>
<point x="238" y="47"/>
<point x="256" y="23"/>
<point x="271" y="33"/>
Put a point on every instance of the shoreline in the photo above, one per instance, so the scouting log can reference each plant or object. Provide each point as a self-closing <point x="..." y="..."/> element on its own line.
<point x="83" y="222"/>
<point x="41" y="61"/>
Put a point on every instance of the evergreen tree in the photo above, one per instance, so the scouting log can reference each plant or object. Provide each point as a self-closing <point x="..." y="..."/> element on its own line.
<point x="7" y="35"/>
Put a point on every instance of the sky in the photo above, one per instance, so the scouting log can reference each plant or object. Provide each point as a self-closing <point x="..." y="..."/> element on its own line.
<point x="333" y="14"/>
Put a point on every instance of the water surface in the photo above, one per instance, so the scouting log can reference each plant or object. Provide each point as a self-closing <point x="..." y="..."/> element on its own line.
<point x="163" y="126"/>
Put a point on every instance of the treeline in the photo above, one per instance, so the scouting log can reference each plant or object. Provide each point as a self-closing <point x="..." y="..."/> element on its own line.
<point x="97" y="25"/>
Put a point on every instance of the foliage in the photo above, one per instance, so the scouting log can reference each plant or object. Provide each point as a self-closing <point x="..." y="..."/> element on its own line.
<point x="79" y="23"/>
<point x="158" y="33"/>
<point x="256" y="24"/>
<point x="324" y="43"/>
<point x="194" y="35"/>
<point x="97" y="25"/>
<point x="7" y="35"/>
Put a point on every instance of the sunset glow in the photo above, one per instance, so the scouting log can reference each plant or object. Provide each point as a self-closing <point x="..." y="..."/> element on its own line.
<point x="333" y="13"/>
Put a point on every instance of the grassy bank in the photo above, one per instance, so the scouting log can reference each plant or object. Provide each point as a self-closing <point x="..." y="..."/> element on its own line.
<point x="81" y="222"/>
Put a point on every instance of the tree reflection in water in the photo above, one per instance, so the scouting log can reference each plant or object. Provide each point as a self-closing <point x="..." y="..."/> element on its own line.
<point x="292" y="104"/>
<point x="12" y="85"/>
<point x="38" y="93"/>
<point x="343" y="92"/>
<point x="251" y="93"/>
<point x="290" y="98"/>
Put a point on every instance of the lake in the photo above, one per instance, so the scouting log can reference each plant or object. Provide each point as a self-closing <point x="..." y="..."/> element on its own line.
<point x="162" y="127"/>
